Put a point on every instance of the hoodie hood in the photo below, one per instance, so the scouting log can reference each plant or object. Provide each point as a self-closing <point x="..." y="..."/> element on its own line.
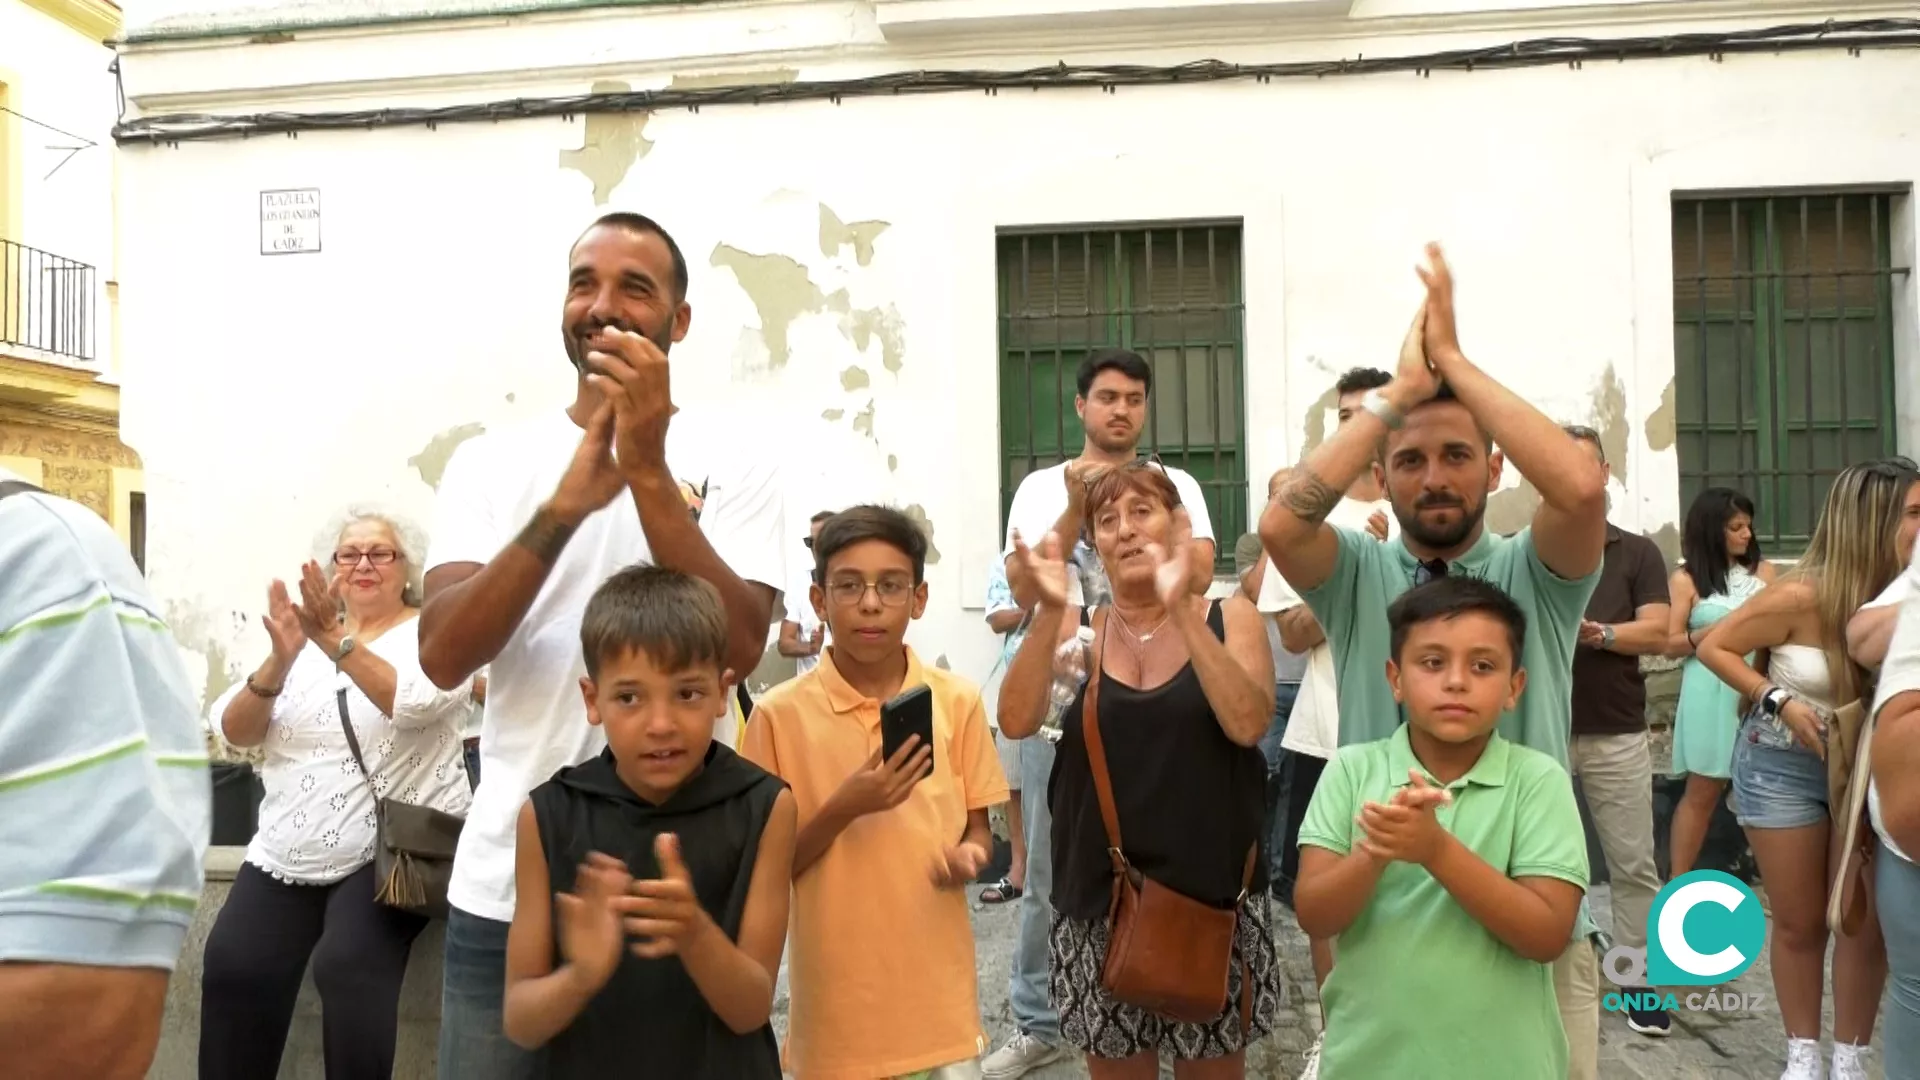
<point x="726" y="775"/>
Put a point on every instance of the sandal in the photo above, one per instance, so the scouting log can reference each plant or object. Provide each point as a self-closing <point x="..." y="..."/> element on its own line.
<point x="1000" y="892"/>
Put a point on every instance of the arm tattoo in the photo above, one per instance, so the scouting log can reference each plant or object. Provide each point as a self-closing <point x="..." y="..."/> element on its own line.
<point x="1307" y="497"/>
<point x="545" y="536"/>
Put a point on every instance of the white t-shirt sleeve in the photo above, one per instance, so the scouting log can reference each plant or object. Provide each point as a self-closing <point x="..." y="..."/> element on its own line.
<point x="1195" y="500"/>
<point x="1901" y="671"/>
<point x="745" y="522"/>
<point x="1901" y="588"/>
<point x="465" y="526"/>
<point x="1037" y="504"/>
<point x="1275" y="594"/>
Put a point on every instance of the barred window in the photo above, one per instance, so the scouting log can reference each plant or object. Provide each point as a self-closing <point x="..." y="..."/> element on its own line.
<point x="1172" y="293"/>
<point x="1783" y="347"/>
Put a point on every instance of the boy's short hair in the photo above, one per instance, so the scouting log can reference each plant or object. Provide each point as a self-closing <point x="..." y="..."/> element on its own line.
<point x="675" y="618"/>
<point x="1450" y="597"/>
<point x="858" y="524"/>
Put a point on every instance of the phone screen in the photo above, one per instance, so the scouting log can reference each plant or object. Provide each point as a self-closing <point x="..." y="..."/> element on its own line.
<point x="911" y="713"/>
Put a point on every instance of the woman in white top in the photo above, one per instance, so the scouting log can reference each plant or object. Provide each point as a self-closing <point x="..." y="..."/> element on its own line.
<point x="1779" y="775"/>
<point x="307" y="888"/>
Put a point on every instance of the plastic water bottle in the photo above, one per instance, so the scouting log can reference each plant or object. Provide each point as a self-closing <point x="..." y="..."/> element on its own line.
<point x="1070" y="662"/>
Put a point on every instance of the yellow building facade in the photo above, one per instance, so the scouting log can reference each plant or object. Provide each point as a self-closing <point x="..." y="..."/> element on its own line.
<point x="59" y="392"/>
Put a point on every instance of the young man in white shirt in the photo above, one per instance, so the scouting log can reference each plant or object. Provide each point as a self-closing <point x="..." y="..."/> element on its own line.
<point x="1113" y="387"/>
<point x="531" y="520"/>
<point x="802" y="634"/>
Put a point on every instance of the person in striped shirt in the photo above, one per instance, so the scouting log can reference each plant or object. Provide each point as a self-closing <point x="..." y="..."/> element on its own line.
<point x="105" y="796"/>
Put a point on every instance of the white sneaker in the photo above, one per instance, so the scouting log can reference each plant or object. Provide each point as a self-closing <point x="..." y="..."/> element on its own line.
<point x="1803" y="1060"/>
<point x="1311" y="1071"/>
<point x="1022" y="1054"/>
<point x="1850" y="1061"/>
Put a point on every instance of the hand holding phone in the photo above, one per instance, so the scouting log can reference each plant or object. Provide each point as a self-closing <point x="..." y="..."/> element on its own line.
<point x="910" y="713"/>
<point x="884" y="783"/>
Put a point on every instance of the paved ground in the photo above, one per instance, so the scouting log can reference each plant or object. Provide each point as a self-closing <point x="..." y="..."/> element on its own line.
<point x="1716" y="1046"/>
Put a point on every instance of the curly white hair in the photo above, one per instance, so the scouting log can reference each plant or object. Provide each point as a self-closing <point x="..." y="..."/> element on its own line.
<point x="408" y="536"/>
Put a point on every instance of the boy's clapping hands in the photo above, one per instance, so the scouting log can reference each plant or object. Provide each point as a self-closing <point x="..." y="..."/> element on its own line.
<point x="663" y="912"/>
<point x="1406" y="828"/>
<point x="589" y="926"/>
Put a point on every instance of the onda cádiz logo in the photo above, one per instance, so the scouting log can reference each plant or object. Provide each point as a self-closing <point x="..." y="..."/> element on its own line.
<point x="1704" y="929"/>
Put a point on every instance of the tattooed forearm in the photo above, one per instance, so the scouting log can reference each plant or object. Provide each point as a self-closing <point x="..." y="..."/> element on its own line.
<point x="546" y="536"/>
<point x="1307" y="497"/>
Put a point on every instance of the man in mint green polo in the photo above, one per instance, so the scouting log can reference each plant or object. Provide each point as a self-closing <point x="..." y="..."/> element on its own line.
<point x="1435" y="427"/>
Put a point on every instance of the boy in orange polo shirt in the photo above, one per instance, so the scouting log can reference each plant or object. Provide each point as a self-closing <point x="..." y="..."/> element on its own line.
<point x="882" y="967"/>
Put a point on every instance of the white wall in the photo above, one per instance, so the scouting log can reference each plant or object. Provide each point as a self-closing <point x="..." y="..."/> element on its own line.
<point x="59" y="77"/>
<point x="263" y="390"/>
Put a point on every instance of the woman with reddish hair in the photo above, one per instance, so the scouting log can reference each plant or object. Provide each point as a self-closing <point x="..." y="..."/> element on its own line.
<point x="1182" y="688"/>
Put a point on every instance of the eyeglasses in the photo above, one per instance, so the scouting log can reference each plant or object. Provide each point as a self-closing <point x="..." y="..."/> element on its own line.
<point x="1429" y="570"/>
<point x="847" y="592"/>
<point x="378" y="557"/>
<point x="808" y="541"/>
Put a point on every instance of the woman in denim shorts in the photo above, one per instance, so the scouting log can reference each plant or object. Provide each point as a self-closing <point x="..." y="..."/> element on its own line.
<point x="1779" y="771"/>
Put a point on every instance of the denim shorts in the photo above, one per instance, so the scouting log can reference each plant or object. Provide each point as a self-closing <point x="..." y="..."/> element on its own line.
<point x="1776" y="785"/>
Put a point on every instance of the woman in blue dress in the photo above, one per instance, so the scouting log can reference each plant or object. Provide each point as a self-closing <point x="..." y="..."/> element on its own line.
<point x="1721" y="569"/>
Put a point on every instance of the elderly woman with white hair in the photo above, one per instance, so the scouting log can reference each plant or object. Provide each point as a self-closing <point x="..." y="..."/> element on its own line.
<point x="307" y="888"/>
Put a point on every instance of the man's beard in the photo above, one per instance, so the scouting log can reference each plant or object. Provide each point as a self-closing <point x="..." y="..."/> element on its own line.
<point x="577" y="350"/>
<point x="1439" y="538"/>
<point x="1111" y="443"/>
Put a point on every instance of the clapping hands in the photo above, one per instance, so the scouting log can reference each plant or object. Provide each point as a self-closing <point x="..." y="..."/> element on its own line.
<point x="1405" y="828"/>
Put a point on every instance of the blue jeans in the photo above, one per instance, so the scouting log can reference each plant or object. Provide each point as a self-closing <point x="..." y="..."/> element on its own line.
<point x="1275" y="829"/>
<point x="1027" y="996"/>
<point x="473" y="1045"/>
<point x="1896" y="892"/>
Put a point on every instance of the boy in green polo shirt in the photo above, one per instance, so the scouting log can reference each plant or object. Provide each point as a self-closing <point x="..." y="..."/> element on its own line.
<point x="1448" y="862"/>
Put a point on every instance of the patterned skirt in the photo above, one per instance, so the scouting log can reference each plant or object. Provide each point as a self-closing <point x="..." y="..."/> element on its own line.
<point x="1093" y="1022"/>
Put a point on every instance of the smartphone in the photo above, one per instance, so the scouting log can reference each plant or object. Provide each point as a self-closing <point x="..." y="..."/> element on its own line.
<point x="909" y="714"/>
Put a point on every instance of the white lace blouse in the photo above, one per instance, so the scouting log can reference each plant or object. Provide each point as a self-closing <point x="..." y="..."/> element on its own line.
<point x="317" y="821"/>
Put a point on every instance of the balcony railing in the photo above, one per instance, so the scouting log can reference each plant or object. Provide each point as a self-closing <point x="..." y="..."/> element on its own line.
<point x="46" y="302"/>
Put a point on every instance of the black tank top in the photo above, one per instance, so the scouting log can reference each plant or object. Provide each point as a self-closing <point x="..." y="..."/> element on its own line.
<point x="1190" y="800"/>
<point x="650" y="1020"/>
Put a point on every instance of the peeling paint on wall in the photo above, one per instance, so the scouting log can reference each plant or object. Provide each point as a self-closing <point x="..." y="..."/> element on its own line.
<point x="1316" y="421"/>
<point x="780" y="289"/>
<point x="863" y="420"/>
<point x="510" y="397"/>
<point x="832" y="416"/>
<point x="1667" y="539"/>
<point x="1511" y="509"/>
<point x="1610" y="420"/>
<point x="854" y="378"/>
<point x="431" y="461"/>
<point x="941" y="662"/>
<point x="860" y="235"/>
<point x="734" y="78"/>
<point x="918" y="514"/>
<point x="1660" y="423"/>
<point x="893" y="463"/>
<point x="198" y="631"/>
<point x="865" y="324"/>
<point x="611" y="144"/>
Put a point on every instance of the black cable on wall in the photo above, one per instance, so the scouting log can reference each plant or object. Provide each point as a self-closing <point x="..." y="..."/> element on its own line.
<point x="1853" y="36"/>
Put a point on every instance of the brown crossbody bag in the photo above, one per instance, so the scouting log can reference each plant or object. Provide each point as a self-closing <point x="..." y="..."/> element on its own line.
<point x="413" y="845"/>
<point x="1167" y="953"/>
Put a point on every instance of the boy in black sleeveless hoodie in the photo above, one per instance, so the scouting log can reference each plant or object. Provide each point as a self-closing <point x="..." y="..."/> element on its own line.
<point x="668" y="860"/>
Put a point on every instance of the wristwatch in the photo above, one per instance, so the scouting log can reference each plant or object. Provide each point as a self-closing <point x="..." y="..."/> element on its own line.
<point x="1606" y="637"/>
<point x="1773" y="701"/>
<point x="346" y="646"/>
<point x="1376" y="403"/>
